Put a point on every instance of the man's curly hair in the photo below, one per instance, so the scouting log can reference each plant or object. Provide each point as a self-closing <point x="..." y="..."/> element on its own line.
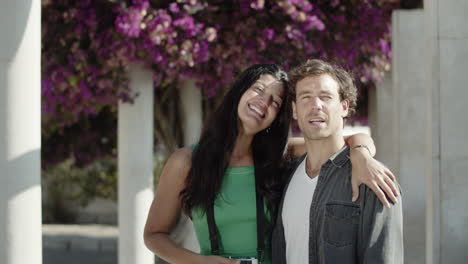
<point x="315" y="67"/>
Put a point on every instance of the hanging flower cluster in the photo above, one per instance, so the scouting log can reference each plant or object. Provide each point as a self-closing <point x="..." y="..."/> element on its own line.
<point x="88" y="46"/>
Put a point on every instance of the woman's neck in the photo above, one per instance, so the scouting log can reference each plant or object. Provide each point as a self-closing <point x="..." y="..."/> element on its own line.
<point x="242" y="155"/>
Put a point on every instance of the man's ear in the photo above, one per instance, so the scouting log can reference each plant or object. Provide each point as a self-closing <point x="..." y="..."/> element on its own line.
<point x="294" y="110"/>
<point x="345" y="108"/>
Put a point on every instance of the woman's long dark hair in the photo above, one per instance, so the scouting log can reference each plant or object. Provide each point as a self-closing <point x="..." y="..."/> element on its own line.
<point x="213" y="152"/>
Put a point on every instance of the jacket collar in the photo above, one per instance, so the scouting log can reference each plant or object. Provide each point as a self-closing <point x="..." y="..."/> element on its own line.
<point x="339" y="160"/>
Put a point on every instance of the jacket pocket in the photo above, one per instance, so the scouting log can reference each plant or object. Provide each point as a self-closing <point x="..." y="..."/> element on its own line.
<point x="341" y="223"/>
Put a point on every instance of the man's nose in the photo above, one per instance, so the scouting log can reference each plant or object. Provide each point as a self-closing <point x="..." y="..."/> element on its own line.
<point x="316" y="103"/>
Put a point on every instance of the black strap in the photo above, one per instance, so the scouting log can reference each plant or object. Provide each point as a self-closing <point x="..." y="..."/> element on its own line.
<point x="214" y="234"/>
<point x="213" y="230"/>
<point x="260" y="222"/>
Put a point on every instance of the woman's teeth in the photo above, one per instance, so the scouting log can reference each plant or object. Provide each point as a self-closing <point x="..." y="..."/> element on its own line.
<point x="258" y="111"/>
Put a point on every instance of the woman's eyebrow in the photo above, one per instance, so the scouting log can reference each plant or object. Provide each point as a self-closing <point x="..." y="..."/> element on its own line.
<point x="260" y="83"/>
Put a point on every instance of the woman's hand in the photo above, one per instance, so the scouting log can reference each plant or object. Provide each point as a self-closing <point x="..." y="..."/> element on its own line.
<point x="219" y="260"/>
<point x="374" y="174"/>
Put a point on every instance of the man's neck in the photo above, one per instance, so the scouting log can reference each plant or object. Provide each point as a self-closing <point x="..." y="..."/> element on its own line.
<point x="319" y="151"/>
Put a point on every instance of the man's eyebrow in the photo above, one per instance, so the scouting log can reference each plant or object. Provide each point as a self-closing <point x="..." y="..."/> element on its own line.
<point x="326" y="92"/>
<point x="303" y="92"/>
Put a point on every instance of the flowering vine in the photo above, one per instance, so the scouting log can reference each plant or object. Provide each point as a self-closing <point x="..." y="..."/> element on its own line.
<point x="88" y="47"/>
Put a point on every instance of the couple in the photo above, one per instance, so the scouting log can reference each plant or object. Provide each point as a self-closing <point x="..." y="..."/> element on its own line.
<point x="247" y="203"/>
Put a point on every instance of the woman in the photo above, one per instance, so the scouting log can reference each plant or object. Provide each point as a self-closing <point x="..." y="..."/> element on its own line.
<point x="238" y="156"/>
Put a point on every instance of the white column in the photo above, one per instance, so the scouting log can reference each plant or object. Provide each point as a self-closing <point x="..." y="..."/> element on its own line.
<point x="135" y="168"/>
<point x="20" y="132"/>
<point x="191" y="102"/>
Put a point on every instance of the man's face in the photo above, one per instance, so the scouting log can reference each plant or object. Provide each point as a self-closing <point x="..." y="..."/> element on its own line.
<point x="318" y="108"/>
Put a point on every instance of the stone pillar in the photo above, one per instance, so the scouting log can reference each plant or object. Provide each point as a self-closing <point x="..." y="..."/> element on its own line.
<point x="410" y="104"/>
<point x="20" y="132"/>
<point x="191" y="102"/>
<point x="446" y="82"/>
<point x="135" y="168"/>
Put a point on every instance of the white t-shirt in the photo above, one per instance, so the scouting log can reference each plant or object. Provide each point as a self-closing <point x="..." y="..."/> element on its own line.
<point x="295" y="215"/>
<point x="296" y="208"/>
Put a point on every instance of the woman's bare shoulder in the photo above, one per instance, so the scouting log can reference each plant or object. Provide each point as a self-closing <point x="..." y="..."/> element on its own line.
<point x="181" y="156"/>
<point x="178" y="164"/>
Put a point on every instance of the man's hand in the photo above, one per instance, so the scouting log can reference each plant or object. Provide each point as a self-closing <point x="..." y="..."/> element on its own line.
<point x="374" y="174"/>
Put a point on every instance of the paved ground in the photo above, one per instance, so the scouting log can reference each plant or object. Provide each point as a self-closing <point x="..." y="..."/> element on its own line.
<point x="54" y="256"/>
<point x="78" y="244"/>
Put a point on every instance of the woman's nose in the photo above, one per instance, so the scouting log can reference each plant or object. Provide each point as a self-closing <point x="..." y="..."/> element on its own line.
<point x="267" y="98"/>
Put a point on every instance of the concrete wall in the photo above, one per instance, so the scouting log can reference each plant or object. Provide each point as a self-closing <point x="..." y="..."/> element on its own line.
<point x="447" y="32"/>
<point x="383" y="123"/>
<point x="409" y="130"/>
<point x="421" y="128"/>
<point x="398" y="130"/>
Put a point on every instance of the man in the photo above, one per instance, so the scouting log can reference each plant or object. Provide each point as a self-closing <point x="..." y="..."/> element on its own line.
<point x="317" y="222"/>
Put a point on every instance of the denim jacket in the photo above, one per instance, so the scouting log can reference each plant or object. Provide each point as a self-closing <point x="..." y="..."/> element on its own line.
<point x="341" y="231"/>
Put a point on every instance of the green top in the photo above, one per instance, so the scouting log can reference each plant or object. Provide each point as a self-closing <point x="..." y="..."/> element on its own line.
<point x="235" y="216"/>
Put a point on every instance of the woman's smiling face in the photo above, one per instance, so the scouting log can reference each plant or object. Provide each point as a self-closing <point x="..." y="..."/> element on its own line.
<point x="260" y="104"/>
